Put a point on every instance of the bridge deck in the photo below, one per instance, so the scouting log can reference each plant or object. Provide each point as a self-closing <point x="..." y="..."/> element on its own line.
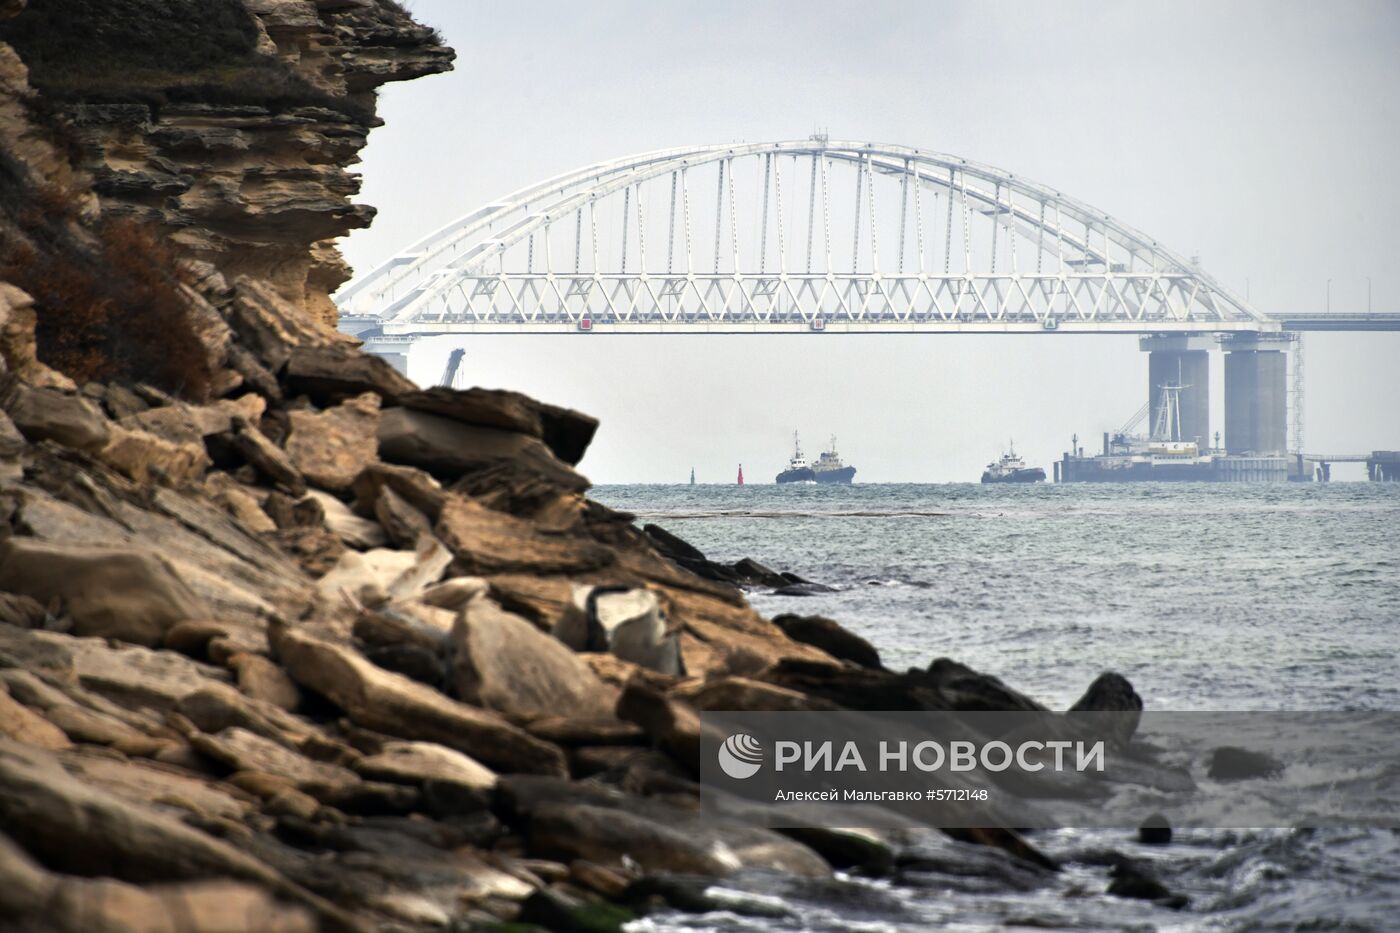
<point x="1324" y="321"/>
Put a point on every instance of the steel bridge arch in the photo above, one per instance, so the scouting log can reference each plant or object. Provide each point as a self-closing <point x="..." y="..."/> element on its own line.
<point x="404" y="294"/>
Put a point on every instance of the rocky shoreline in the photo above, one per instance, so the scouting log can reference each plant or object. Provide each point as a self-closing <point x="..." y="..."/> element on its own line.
<point x="267" y="664"/>
<point x="288" y="643"/>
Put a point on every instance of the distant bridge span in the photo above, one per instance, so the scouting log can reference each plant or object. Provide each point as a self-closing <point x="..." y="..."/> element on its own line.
<point x="805" y="235"/>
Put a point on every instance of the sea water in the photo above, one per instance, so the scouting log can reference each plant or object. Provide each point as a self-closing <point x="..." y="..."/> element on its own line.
<point x="1215" y="597"/>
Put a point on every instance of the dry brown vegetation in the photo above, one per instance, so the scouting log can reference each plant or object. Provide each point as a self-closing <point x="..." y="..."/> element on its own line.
<point x="108" y="301"/>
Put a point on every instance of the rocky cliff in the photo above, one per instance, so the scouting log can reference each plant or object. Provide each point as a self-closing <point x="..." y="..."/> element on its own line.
<point x="229" y="126"/>
<point x="287" y="643"/>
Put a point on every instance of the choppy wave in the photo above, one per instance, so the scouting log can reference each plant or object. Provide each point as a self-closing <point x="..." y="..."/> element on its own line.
<point x="684" y="514"/>
<point x="1205" y="597"/>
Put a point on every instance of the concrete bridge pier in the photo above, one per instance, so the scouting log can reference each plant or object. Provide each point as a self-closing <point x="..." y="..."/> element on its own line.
<point x="1383" y="466"/>
<point x="397" y="360"/>
<point x="1184" y="360"/>
<point x="393" y="350"/>
<point x="1256" y="393"/>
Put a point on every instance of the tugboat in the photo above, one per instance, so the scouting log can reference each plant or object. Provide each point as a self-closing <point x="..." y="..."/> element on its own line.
<point x="830" y="469"/>
<point x="798" y="469"/>
<point x="1012" y="469"/>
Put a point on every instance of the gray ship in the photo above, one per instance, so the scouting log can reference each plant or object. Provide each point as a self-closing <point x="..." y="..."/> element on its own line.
<point x="1012" y="469"/>
<point x="1165" y="455"/>
<point x="827" y="469"/>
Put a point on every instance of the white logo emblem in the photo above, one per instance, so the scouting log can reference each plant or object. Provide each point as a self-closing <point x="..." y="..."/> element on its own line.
<point x="741" y="756"/>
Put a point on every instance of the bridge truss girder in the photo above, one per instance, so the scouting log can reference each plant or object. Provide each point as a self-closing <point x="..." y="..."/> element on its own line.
<point x="481" y="274"/>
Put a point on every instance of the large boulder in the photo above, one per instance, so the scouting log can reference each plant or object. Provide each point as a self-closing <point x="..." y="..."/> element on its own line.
<point x="372" y="577"/>
<point x="271" y="328"/>
<point x="449" y="449"/>
<point x="329" y="374"/>
<point x="402" y="523"/>
<point x="267" y="458"/>
<point x="965" y="689"/>
<point x="386" y="702"/>
<point x="1231" y="763"/>
<point x="420" y="762"/>
<point x="487" y="408"/>
<point x="331" y="448"/>
<point x="126" y="593"/>
<point x="488" y="542"/>
<point x="261" y="679"/>
<point x="43" y="414"/>
<point x="672" y="724"/>
<point x="185" y="424"/>
<point x="828" y="635"/>
<point x="504" y="663"/>
<point x="565" y="432"/>
<point x="1111" y="693"/>
<point x="628" y="622"/>
<point x="341" y="521"/>
<point x="148" y="458"/>
<point x="414" y="486"/>
<point x="242" y="750"/>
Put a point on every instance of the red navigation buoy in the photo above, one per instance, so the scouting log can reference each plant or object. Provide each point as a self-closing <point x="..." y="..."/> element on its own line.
<point x="741" y="474"/>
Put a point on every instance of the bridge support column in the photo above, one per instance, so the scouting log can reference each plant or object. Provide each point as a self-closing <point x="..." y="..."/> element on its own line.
<point x="397" y="360"/>
<point x="392" y="349"/>
<point x="1383" y="466"/>
<point x="1185" y="361"/>
<point x="1256" y="393"/>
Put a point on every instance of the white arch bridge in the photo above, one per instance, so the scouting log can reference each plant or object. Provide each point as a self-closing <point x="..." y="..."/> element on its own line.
<point x="803" y="236"/>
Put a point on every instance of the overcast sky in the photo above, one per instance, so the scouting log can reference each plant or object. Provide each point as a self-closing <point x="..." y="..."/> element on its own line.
<point x="1263" y="137"/>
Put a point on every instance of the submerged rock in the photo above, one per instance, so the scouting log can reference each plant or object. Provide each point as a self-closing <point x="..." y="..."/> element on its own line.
<point x="552" y="909"/>
<point x="1231" y="763"/>
<point x="693" y="894"/>
<point x="1155" y="831"/>
<point x="1132" y="880"/>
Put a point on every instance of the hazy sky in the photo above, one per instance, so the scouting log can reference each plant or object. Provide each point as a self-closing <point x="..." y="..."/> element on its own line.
<point x="1262" y="136"/>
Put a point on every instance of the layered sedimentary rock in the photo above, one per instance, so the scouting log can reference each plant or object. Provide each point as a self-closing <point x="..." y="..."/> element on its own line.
<point x="244" y="162"/>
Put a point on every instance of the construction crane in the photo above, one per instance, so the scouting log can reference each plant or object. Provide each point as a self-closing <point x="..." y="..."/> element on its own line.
<point x="1120" y="437"/>
<point x="453" y="369"/>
